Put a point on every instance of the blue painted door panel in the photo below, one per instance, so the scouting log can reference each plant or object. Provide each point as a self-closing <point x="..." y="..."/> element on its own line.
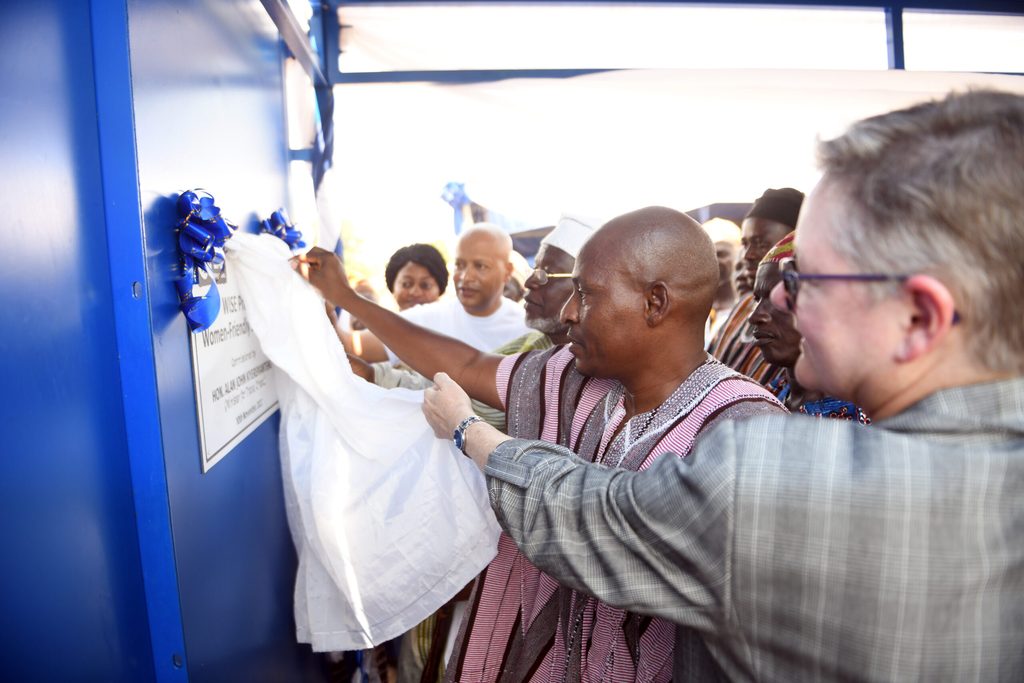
<point x="72" y="605"/>
<point x="207" y="111"/>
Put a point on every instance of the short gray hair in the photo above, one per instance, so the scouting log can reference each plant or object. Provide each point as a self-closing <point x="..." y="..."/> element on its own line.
<point x="938" y="188"/>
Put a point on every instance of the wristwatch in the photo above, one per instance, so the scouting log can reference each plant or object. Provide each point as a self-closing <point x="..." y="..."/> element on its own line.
<point x="459" y="437"/>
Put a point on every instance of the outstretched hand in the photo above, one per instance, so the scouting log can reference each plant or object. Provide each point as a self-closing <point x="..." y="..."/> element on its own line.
<point x="324" y="270"/>
<point x="445" y="405"/>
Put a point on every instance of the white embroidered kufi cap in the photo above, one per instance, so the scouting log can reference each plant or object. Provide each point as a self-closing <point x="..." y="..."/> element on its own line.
<point x="571" y="233"/>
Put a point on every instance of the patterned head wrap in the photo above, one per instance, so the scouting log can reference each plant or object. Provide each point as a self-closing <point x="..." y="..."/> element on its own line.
<point x="783" y="249"/>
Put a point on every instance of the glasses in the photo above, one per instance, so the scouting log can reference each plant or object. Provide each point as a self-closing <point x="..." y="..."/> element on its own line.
<point x="542" y="276"/>
<point x="791" y="279"/>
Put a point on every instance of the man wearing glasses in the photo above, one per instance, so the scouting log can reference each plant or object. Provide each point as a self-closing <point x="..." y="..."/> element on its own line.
<point x="547" y="288"/>
<point x="800" y="549"/>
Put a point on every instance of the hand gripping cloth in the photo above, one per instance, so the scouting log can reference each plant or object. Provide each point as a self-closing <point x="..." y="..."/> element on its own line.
<point x="389" y="522"/>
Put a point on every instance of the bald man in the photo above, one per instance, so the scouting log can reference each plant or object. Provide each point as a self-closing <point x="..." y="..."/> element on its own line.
<point x="633" y="383"/>
<point x="480" y="315"/>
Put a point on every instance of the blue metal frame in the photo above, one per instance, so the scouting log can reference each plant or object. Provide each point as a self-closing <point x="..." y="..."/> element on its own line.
<point x="894" y="35"/>
<point x="123" y="214"/>
<point x="293" y="37"/>
<point x="330" y="31"/>
<point x="299" y="46"/>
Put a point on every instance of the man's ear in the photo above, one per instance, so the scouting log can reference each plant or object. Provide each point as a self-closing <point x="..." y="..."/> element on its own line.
<point x="656" y="303"/>
<point x="931" y="311"/>
<point x="509" y="269"/>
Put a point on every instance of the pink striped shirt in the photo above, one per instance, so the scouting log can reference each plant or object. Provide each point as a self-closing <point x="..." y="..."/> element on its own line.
<point x="514" y="594"/>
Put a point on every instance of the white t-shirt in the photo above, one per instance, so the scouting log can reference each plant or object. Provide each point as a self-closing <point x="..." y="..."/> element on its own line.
<point x="448" y="317"/>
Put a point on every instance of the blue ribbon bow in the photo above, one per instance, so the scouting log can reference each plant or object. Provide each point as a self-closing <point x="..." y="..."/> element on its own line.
<point x="278" y="225"/>
<point x="455" y="194"/>
<point x="202" y="232"/>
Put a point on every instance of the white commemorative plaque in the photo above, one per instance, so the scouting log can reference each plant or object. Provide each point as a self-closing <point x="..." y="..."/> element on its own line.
<point x="234" y="381"/>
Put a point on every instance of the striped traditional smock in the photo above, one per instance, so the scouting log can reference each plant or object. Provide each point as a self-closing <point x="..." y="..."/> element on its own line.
<point x="522" y="625"/>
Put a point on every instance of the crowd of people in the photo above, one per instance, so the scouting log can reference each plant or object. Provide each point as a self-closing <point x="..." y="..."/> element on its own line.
<point x="790" y="449"/>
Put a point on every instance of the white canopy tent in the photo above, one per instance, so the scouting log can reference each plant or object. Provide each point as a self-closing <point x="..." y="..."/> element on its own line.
<point x="732" y="104"/>
<point x="599" y="144"/>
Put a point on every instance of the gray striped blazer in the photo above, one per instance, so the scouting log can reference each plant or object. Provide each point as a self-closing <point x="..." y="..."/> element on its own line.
<point x="798" y="548"/>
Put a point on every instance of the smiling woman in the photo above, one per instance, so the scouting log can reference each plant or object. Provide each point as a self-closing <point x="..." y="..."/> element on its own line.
<point x="416" y="274"/>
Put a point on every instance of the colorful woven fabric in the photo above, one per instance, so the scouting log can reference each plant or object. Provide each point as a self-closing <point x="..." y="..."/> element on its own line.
<point x="827" y="406"/>
<point x="522" y="624"/>
<point x="783" y="249"/>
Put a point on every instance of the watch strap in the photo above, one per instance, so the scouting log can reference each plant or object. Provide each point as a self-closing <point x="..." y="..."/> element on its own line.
<point x="459" y="437"/>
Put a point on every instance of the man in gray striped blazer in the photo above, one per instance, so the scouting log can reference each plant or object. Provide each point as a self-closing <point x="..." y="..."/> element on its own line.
<point x="804" y="549"/>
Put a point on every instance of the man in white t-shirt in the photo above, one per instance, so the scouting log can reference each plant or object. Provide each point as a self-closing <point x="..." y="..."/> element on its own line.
<point x="480" y="316"/>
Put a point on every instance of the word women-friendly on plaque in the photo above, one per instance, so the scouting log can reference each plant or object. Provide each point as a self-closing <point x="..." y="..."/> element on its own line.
<point x="234" y="381"/>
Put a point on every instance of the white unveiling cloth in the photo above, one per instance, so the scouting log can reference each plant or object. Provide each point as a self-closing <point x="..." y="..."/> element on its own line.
<point x="389" y="522"/>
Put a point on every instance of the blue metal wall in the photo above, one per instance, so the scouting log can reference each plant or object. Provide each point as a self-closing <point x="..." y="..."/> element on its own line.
<point x="72" y="605"/>
<point x="120" y="561"/>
